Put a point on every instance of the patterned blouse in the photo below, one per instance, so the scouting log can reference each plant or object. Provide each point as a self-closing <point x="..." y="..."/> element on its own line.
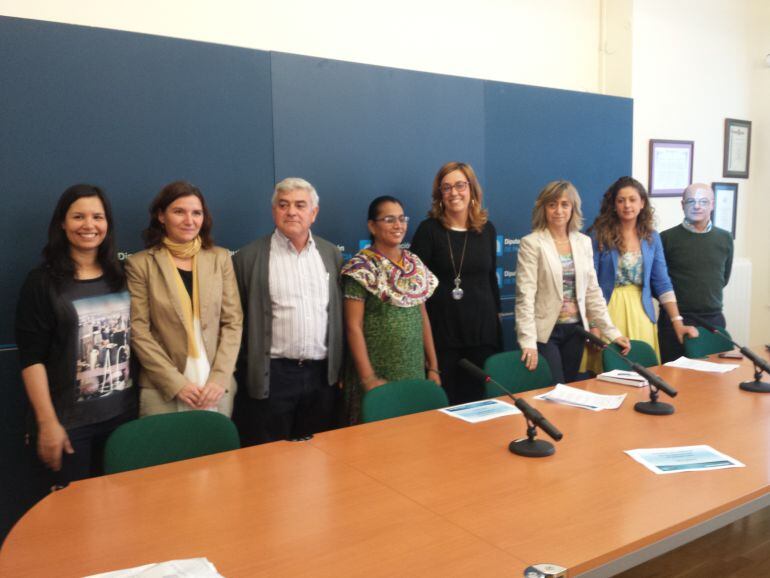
<point x="629" y="269"/>
<point x="569" y="309"/>
<point x="405" y="284"/>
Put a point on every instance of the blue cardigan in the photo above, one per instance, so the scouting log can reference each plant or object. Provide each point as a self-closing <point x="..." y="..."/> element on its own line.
<point x="655" y="279"/>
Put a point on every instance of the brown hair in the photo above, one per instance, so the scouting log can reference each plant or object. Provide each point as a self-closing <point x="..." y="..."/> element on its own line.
<point x="606" y="227"/>
<point x="477" y="216"/>
<point x="553" y="192"/>
<point x="153" y="234"/>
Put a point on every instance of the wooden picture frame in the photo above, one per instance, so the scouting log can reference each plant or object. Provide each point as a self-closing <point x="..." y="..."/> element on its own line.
<point x="737" y="149"/>
<point x="725" y="206"/>
<point x="670" y="166"/>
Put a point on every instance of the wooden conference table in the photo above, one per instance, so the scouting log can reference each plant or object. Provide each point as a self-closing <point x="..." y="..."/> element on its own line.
<point x="421" y="495"/>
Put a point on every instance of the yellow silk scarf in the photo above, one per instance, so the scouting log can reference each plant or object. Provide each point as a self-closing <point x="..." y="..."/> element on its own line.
<point x="190" y="308"/>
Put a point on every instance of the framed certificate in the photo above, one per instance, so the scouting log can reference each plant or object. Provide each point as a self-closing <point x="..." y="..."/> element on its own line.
<point x="670" y="166"/>
<point x="737" y="149"/>
<point x="725" y="206"/>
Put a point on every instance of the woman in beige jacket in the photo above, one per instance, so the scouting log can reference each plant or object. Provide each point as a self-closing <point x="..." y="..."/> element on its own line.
<point x="185" y="310"/>
<point x="556" y="286"/>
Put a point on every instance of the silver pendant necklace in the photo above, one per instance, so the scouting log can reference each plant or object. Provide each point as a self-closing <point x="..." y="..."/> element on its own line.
<point x="457" y="292"/>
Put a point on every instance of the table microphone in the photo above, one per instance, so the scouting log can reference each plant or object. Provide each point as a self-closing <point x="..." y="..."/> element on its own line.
<point x="760" y="365"/>
<point x="652" y="407"/>
<point x="529" y="447"/>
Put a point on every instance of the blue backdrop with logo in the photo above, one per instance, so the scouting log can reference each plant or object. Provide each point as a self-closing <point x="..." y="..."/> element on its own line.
<point x="131" y="112"/>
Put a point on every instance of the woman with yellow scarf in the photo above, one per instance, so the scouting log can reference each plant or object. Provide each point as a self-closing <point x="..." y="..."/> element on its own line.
<point x="185" y="310"/>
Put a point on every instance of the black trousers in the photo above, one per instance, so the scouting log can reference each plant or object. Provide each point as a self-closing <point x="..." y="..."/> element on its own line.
<point x="670" y="348"/>
<point x="88" y="441"/>
<point x="563" y="352"/>
<point x="301" y="403"/>
<point x="460" y="386"/>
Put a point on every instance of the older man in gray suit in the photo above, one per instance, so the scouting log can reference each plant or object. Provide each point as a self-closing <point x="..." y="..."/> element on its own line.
<point x="292" y="340"/>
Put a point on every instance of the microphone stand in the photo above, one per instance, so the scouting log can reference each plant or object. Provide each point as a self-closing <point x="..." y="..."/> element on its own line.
<point x="652" y="407"/>
<point x="760" y="365"/>
<point x="529" y="447"/>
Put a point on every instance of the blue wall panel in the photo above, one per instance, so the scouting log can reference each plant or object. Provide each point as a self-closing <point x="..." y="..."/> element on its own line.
<point x="128" y="112"/>
<point x="131" y="112"/>
<point x="358" y="131"/>
<point x="536" y="135"/>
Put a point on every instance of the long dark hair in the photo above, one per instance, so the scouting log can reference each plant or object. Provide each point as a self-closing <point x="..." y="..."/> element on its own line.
<point x="153" y="234"/>
<point x="606" y="227"/>
<point x="56" y="254"/>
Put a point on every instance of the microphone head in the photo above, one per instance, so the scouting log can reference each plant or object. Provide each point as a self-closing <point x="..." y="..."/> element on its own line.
<point x="473" y="369"/>
<point x="590" y="336"/>
<point x="705" y="324"/>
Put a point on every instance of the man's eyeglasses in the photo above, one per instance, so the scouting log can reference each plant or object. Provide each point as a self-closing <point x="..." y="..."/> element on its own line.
<point x="697" y="202"/>
<point x="459" y="186"/>
<point x="392" y="219"/>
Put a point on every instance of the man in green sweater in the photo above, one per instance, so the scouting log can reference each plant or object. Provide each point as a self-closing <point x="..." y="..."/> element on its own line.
<point x="699" y="258"/>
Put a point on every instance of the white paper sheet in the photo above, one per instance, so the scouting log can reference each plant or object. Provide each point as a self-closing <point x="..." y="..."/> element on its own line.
<point x="683" y="459"/>
<point x="700" y="365"/>
<point x="567" y="395"/>
<point x="478" y="411"/>
<point x="610" y="376"/>
<point x="189" y="568"/>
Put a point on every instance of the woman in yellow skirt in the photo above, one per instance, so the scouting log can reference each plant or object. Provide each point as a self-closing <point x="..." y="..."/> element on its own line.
<point x="631" y="267"/>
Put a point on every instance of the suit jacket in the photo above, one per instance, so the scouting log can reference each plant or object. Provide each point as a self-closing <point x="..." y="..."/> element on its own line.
<point x="539" y="292"/>
<point x="158" y="334"/>
<point x="655" y="280"/>
<point x="252" y="271"/>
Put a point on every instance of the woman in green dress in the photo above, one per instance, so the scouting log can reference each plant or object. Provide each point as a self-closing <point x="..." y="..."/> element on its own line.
<point x="387" y="326"/>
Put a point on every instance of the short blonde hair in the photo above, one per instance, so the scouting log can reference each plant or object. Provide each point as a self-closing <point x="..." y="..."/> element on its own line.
<point x="553" y="192"/>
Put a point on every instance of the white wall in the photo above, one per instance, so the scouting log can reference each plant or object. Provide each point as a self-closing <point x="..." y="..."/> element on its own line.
<point x="690" y="71"/>
<point x="757" y="204"/>
<point x="552" y="43"/>
<point x="694" y="64"/>
<point x="688" y="64"/>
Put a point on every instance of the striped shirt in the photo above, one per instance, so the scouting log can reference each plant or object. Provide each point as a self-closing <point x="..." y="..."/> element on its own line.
<point x="299" y="293"/>
<point x="690" y="227"/>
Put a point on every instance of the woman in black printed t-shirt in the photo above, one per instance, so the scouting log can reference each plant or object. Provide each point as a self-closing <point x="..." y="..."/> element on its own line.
<point x="73" y="333"/>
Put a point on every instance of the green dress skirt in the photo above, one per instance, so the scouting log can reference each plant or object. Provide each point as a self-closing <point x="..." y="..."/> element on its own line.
<point x="393" y="341"/>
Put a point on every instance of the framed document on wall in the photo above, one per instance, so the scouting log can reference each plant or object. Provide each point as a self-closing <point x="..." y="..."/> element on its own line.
<point x="670" y="166"/>
<point x="737" y="149"/>
<point x="725" y="206"/>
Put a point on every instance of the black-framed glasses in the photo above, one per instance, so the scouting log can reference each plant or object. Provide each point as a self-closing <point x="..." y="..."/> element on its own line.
<point x="459" y="186"/>
<point x="392" y="219"/>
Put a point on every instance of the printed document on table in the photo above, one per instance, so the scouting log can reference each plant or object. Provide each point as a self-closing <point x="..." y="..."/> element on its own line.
<point x="484" y="410"/>
<point x="700" y="365"/>
<point x="567" y="395"/>
<point x="623" y="377"/>
<point x="189" y="568"/>
<point x="683" y="459"/>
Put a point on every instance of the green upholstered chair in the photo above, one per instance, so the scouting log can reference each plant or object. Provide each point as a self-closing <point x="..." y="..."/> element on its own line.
<point x="397" y="398"/>
<point x="706" y="343"/>
<point x="508" y="369"/>
<point x="170" y="437"/>
<point x="641" y="352"/>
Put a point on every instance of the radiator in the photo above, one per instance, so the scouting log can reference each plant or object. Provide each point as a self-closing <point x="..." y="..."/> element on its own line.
<point x="737" y="301"/>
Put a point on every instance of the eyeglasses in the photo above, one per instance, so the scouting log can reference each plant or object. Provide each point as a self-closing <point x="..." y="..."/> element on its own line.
<point x="698" y="202"/>
<point x="391" y="219"/>
<point x="459" y="186"/>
